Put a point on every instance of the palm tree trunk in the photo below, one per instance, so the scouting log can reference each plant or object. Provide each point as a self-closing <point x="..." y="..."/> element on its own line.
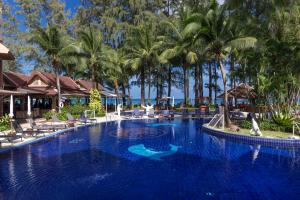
<point x="157" y="88"/>
<point x="226" y="111"/>
<point x="196" y="85"/>
<point x="142" y="86"/>
<point x="216" y="81"/>
<point x="116" y="84"/>
<point x="129" y="96"/>
<point x="185" y="84"/>
<point x="123" y="94"/>
<point x="94" y="76"/>
<point x="169" y="83"/>
<point x="149" y="88"/>
<point x="55" y="66"/>
<point x="210" y="82"/>
<point x="200" y="83"/>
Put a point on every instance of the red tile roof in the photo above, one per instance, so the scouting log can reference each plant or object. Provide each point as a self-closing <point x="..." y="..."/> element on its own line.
<point x="49" y="78"/>
<point x="16" y="79"/>
<point x="88" y="85"/>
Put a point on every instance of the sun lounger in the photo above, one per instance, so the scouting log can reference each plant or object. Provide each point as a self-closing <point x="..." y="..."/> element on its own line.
<point x="40" y="127"/>
<point x="151" y="114"/>
<point x="198" y="113"/>
<point x="13" y="136"/>
<point x="167" y="114"/>
<point x="33" y="132"/>
<point x="58" y="124"/>
<point x="185" y="112"/>
<point x="85" y="120"/>
<point x="137" y="114"/>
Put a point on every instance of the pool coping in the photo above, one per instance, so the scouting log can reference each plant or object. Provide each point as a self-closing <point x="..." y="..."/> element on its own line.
<point x="248" y="139"/>
<point x="49" y="135"/>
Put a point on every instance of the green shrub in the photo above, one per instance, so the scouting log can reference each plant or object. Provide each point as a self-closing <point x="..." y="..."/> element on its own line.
<point x="4" y="123"/>
<point x="75" y="110"/>
<point x="49" y="114"/>
<point x="246" y="124"/>
<point x="95" y="102"/>
<point x="61" y="116"/>
<point x="265" y="125"/>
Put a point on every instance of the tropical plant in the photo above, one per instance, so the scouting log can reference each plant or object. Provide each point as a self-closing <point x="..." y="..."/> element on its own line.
<point x="58" y="48"/>
<point x="178" y="46"/>
<point x="95" y="101"/>
<point x="217" y="30"/>
<point x="142" y="48"/>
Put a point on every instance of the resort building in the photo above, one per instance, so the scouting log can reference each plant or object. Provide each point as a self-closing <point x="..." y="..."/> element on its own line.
<point x="40" y="89"/>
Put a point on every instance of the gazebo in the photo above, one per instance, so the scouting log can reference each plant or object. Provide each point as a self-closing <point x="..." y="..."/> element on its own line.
<point x="242" y="91"/>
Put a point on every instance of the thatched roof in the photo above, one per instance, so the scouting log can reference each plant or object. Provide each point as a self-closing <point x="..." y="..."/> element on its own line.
<point x="242" y="91"/>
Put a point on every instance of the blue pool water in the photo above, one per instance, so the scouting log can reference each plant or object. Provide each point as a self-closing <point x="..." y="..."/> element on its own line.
<point x="118" y="160"/>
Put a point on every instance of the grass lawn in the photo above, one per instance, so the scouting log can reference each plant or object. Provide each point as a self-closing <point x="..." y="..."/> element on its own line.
<point x="269" y="134"/>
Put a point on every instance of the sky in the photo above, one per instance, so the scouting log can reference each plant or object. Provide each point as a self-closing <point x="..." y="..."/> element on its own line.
<point x="177" y="93"/>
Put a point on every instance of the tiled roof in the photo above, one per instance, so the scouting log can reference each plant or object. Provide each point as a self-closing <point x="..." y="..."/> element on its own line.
<point x="50" y="79"/>
<point x="88" y="85"/>
<point x="16" y="79"/>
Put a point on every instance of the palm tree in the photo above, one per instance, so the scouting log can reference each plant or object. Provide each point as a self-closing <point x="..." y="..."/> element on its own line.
<point x="178" y="46"/>
<point x="142" y="47"/>
<point x="93" y="50"/>
<point x="215" y="28"/>
<point x="58" y="48"/>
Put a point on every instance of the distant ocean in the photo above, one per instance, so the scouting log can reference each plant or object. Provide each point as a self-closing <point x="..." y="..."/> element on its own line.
<point x="153" y="101"/>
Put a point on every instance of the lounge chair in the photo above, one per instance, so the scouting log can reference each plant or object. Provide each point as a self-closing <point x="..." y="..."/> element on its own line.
<point x="151" y="114"/>
<point x="72" y="120"/>
<point x="167" y="114"/>
<point x="19" y="130"/>
<point x="40" y="127"/>
<point x="185" y="112"/>
<point x="85" y="120"/>
<point x="58" y="124"/>
<point x="137" y="114"/>
<point x="198" y="113"/>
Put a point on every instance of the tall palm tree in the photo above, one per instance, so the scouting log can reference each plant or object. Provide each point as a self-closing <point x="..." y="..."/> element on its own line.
<point x="58" y="48"/>
<point x="215" y="28"/>
<point x="178" y="46"/>
<point x="142" y="47"/>
<point x="92" y="49"/>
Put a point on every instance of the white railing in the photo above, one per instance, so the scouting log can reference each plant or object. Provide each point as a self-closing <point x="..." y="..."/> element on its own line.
<point x="217" y="121"/>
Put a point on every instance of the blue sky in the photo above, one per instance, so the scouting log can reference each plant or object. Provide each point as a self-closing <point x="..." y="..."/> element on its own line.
<point x="177" y="93"/>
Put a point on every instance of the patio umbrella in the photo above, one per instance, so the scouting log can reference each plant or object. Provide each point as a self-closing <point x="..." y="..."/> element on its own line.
<point x="28" y="106"/>
<point x="11" y="106"/>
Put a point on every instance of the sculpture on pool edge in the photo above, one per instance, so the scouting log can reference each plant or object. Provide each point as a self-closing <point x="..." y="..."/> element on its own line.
<point x="141" y="150"/>
<point x="148" y="108"/>
<point x="255" y="129"/>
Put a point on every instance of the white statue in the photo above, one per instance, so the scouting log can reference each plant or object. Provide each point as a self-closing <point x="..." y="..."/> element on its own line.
<point x="148" y="108"/>
<point x="255" y="129"/>
<point x="119" y="108"/>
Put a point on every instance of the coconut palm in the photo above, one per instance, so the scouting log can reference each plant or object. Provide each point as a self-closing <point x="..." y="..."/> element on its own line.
<point x="142" y="48"/>
<point x="178" y="46"/>
<point x="58" y="48"/>
<point x="216" y="29"/>
<point x="93" y="49"/>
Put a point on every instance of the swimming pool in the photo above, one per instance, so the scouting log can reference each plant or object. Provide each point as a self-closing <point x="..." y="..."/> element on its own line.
<point x="148" y="159"/>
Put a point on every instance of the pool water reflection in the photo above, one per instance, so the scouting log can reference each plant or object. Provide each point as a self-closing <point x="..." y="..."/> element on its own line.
<point x="96" y="163"/>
